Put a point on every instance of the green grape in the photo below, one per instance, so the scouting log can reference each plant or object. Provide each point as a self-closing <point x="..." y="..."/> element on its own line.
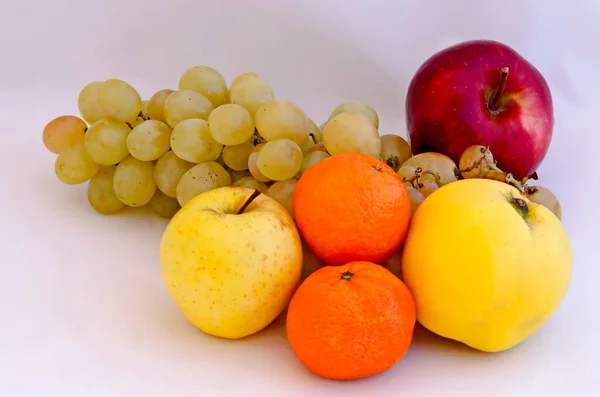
<point x="191" y="140"/>
<point x="133" y="182"/>
<point x="201" y="178"/>
<point x="416" y="198"/>
<point x="544" y="196"/>
<point x="253" y="164"/>
<point x="312" y="158"/>
<point x="149" y="140"/>
<point x="357" y="107"/>
<point x="63" y="132"/>
<point x="231" y="124"/>
<point x="250" y="183"/>
<point x="87" y="103"/>
<point x="164" y="205"/>
<point x="282" y="192"/>
<point x="236" y="157"/>
<point x="351" y="132"/>
<point x="168" y="170"/>
<point x="119" y="100"/>
<point x="280" y="159"/>
<point x="394" y="150"/>
<point x="235" y="175"/>
<point x="100" y="192"/>
<point x="315" y="131"/>
<point x="186" y="104"/>
<point x="156" y="105"/>
<point x="141" y="117"/>
<point x="250" y="90"/>
<point x="106" y="141"/>
<point x="74" y="165"/>
<point x="207" y="81"/>
<point x="278" y="118"/>
<point x="307" y="144"/>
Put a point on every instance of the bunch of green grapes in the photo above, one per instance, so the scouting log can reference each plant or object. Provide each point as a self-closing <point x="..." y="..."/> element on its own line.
<point x="201" y="135"/>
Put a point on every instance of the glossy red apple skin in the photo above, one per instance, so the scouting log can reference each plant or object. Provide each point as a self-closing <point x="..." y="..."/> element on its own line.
<point x="447" y="106"/>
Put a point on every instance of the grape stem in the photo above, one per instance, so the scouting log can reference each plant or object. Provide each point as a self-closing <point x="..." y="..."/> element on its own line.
<point x="494" y="102"/>
<point x="416" y="178"/>
<point x="250" y="199"/>
<point x="482" y="162"/>
<point x="512" y="181"/>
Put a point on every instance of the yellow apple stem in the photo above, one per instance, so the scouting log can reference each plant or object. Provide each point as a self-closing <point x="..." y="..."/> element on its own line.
<point x="250" y="199"/>
<point x="494" y="102"/>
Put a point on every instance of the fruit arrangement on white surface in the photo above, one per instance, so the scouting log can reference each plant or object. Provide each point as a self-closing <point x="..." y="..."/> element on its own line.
<point x="270" y="211"/>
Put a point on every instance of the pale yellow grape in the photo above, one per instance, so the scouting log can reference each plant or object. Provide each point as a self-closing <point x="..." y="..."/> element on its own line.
<point x="357" y="107"/>
<point x="192" y="141"/>
<point x="407" y="173"/>
<point x="119" y="100"/>
<point x="74" y="165"/>
<point x="186" y="104"/>
<point x="435" y="167"/>
<point x="395" y="150"/>
<point x="231" y="124"/>
<point x="201" y="178"/>
<point x="307" y="144"/>
<point x="322" y="127"/>
<point x="280" y="159"/>
<point x="164" y="205"/>
<point x="476" y="161"/>
<point x="207" y="81"/>
<point x="87" y="102"/>
<point x="100" y="192"/>
<point x="427" y="187"/>
<point x="250" y="183"/>
<point x="106" y="141"/>
<point x="313" y="158"/>
<point x="168" y="170"/>
<point x="220" y="160"/>
<point x="149" y="140"/>
<point x="544" y="196"/>
<point x="133" y="182"/>
<point x="235" y="175"/>
<point x="250" y="90"/>
<point x="63" y="132"/>
<point x="351" y="132"/>
<point x="156" y="105"/>
<point x="282" y="192"/>
<point x="278" y="118"/>
<point x="315" y="131"/>
<point x="141" y="117"/>
<point x="253" y="164"/>
<point x="236" y="157"/>
<point x="415" y="197"/>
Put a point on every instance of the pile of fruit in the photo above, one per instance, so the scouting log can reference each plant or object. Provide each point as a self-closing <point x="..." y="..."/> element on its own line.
<point x="351" y="234"/>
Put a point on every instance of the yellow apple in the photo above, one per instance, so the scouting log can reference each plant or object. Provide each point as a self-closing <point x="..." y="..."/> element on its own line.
<point x="231" y="260"/>
<point x="487" y="266"/>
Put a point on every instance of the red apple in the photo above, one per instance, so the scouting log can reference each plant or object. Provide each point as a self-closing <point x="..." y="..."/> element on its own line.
<point x="481" y="92"/>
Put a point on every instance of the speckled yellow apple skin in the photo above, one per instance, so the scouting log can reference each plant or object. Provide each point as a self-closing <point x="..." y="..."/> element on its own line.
<point x="231" y="275"/>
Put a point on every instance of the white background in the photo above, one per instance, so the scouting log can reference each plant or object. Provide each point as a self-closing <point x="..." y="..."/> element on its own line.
<point x="82" y="307"/>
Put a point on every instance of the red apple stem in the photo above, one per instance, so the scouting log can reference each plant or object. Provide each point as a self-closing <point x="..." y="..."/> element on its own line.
<point x="250" y="199"/>
<point x="494" y="102"/>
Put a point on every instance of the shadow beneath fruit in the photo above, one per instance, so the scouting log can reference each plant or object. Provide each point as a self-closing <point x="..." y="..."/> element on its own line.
<point x="423" y="338"/>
